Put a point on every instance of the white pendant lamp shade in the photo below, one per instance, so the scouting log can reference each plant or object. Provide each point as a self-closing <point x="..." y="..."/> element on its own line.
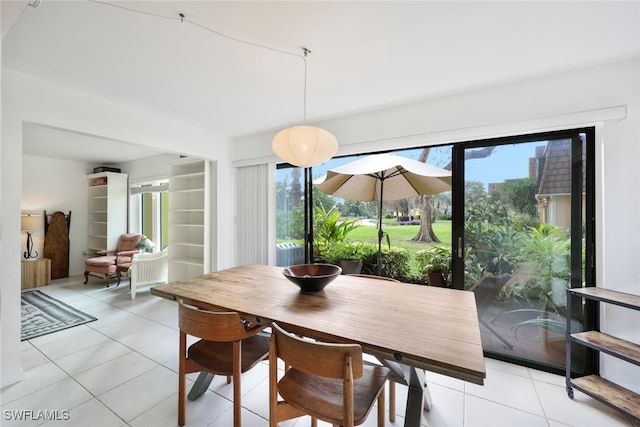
<point x="304" y="146"/>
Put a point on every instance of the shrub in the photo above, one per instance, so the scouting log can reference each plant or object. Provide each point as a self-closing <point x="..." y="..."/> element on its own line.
<point x="348" y="250"/>
<point x="395" y="261"/>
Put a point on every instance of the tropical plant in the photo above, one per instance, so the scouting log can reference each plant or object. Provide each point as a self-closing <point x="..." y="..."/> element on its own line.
<point x="435" y="259"/>
<point x="521" y="194"/>
<point x="329" y="229"/>
<point x="545" y="255"/>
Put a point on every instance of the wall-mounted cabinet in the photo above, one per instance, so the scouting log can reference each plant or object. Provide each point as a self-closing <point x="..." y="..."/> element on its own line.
<point x="107" y="211"/>
<point x="189" y="223"/>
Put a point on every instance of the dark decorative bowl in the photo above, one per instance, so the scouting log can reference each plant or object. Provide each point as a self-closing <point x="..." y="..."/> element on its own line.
<point x="312" y="277"/>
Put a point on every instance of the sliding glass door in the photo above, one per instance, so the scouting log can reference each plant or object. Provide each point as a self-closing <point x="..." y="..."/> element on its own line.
<point x="522" y="220"/>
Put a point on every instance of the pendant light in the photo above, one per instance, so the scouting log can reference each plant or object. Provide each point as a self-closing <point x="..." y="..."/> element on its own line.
<point x="304" y="146"/>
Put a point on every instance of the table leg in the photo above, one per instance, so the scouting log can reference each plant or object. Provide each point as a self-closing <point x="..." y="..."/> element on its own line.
<point x="200" y="385"/>
<point x="418" y="396"/>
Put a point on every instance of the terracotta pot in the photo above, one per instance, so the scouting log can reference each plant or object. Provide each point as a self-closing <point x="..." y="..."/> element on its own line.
<point x="436" y="279"/>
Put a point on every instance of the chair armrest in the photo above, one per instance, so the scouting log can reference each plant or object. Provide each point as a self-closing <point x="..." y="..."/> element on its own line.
<point x="128" y="253"/>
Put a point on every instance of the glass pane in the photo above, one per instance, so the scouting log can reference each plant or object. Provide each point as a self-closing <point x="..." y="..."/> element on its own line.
<point x="147" y="216"/>
<point x="290" y="216"/>
<point x="518" y="246"/>
<point x="345" y="231"/>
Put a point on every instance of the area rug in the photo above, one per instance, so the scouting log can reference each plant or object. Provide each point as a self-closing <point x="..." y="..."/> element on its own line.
<point x="42" y="315"/>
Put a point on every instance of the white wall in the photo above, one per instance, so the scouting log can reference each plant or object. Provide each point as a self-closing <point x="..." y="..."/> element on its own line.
<point x="149" y="169"/>
<point x="27" y="99"/>
<point x="607" y="96"/>
<point x="57" y="185"/>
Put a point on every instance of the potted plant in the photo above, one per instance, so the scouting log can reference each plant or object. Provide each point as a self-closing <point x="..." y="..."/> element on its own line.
<point x="329" y="231"/>
<point x="350" y="256"/>
<point x="435" y="262"/>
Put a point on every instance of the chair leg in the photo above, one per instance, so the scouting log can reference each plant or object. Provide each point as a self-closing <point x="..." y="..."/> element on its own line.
<point x="86" y="277"/>
<point x="237" y="391"/>
<point x="381" y="409"/>
<point x="182" y="385"/>
<point x="392" y="401"/>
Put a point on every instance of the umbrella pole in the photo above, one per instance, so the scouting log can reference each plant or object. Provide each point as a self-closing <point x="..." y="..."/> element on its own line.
<point x="378" y="265"/>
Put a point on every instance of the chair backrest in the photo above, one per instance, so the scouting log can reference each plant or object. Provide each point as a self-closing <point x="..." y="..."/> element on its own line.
<point x="316" y="358"/>
<point x="128" y="241"/>
<point x="209" y="325"/>
<point x="150" y="267"/>
<point x="147" y="257"/>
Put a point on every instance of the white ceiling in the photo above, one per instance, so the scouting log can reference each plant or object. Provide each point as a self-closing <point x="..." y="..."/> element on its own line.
<point x="365" y="55"/>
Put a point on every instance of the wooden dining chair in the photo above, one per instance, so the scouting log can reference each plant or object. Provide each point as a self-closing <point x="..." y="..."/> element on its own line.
<point x="227" y="346"/>
<point x="327" y="381"/>
<point x="392" y="384"/>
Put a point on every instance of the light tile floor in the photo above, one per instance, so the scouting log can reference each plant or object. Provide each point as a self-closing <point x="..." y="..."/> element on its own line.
<point x="121" y="370"/>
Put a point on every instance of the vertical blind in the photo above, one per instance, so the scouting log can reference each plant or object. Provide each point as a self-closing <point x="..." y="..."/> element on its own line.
<point x="252" y="214"/>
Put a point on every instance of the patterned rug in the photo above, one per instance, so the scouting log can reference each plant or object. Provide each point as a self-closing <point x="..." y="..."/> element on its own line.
<point x="42" y="315"/>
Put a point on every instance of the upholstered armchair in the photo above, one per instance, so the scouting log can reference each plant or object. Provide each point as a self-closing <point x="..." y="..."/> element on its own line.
<point x="108" y="260"/>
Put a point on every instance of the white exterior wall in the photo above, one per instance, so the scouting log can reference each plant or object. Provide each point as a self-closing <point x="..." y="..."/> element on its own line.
<point x="26" y="99"/>
<point x="607" y="96"/>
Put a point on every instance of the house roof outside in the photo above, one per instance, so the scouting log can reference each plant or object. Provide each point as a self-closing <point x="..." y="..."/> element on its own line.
<point x="554" y="168"/>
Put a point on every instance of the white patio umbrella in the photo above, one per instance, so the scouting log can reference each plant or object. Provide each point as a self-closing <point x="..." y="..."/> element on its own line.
<point x="384" y="177"/>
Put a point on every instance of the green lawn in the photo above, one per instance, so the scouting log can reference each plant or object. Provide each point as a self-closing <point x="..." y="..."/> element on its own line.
<point x="401" y="235"/>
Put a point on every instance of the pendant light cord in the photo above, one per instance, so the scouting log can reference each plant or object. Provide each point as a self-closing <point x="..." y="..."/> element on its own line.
<point x="304" y="59"/>
<point x="183" y="19"/>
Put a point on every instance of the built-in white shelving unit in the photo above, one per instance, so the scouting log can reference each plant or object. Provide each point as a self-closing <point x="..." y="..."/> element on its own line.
<point x="107" y="212"/>
<point x="189" y="225"/>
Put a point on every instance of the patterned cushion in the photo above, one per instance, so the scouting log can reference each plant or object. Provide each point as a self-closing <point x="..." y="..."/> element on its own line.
<point x="128" y="241"/>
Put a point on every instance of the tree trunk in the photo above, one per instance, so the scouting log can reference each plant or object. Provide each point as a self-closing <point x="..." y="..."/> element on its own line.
<point x="425" y="233"/>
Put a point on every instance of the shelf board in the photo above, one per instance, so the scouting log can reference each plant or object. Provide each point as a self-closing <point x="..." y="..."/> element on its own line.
<point x="190" y="261"/>
<point x="188" y="190"/>
<point x="614" y="346"/>
<point x="192" y="244"/>
<point x="610" y="394"/>
<point x="188" y="175"/>
<point x="612" y="297"/>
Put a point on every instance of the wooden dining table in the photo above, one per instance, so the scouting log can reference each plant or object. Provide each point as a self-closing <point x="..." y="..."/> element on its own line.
<point x="409" y="328"/>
